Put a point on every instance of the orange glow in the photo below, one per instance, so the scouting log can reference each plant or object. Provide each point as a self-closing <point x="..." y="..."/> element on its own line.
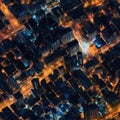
<point x="93" y="3"/>
<point x="7" y="102"/>
<point x="102" y="27"/>
<point x="118" y="1"/>
<point x="102" y="12"/>
<point x="93" y="50"/>
<point x="25" y="1"/>
<point x="13" y="21"/>
<point x="65" y="21"/>
<point x="91" y="17"/>
<point x="1" y="92"/>
<point x="14" y="25"/>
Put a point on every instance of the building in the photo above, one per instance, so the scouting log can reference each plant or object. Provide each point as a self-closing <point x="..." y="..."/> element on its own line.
<point x="90" y="30"/>
<point x="1" y="14"/>
<point x="109" y="33"/>
<point x="20" y="100"/>
<point x="76" y="13"/>
<point x="18" y="10"/>
<point x="55" y="56"/>
<point x="80" y="58"/>
<point x="91" y="112"/>
<point x="69" y="63"/>
<point x="9" y="114"/>
<point x="26" y="36"/>
<point x="57" y="12"/>
<point x="74" y="62"/>
<point x="49" y="1"/>
<point x="116" y="23"/>
<point x="38" y="16"/>
<point x="35" y="6"/>
<point x="54" y="43"/>
<point x="66" y="35"/>
<point x="91" y="63"/>
<point x="98" y="41"/>
<point x="84" y="80"/>
<point x="35" y="83"/>
<point x="73" y="47"/>
<point x="68" y="5"/>
<point x="13" y="83"/>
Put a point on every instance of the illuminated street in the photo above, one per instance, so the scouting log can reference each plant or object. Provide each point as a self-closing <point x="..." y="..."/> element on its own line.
<point x="14" y="23"/>
<point x="59" y="60"/>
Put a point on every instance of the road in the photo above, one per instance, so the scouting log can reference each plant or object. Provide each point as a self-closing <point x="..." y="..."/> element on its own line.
<point x="26" y="88"/>
<point x="14" y="23"/>
<point x="8" y="32"/>
<point x="112" y="113"/>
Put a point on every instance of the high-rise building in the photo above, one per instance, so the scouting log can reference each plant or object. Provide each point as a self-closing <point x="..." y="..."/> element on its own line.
<point x="80" y="58"/>
<point x="90" y="112"/>
<point x="35" y="83"/>
<point x="73" y="47"/>
<point x="84" y="80"/>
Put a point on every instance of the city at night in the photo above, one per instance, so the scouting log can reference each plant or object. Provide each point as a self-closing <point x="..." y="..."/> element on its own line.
<point x="59" y="59"/>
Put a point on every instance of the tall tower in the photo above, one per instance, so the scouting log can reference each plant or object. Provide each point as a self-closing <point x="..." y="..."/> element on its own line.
<point x="35" y="83"/>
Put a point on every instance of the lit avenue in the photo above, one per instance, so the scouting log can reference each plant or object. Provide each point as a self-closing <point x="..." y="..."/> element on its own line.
<point x="59" y="59"/>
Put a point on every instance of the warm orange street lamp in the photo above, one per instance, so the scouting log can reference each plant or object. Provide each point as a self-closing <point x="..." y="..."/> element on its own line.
<point x="94" y="3"/>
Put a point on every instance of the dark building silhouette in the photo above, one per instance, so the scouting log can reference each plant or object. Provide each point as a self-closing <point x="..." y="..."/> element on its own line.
<point x="84" y="80"/>
<point x="35" y="83"/>
<point x="80" y="58"/>
<point x="20" y="99"/>
<point x="90" y="112"/>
